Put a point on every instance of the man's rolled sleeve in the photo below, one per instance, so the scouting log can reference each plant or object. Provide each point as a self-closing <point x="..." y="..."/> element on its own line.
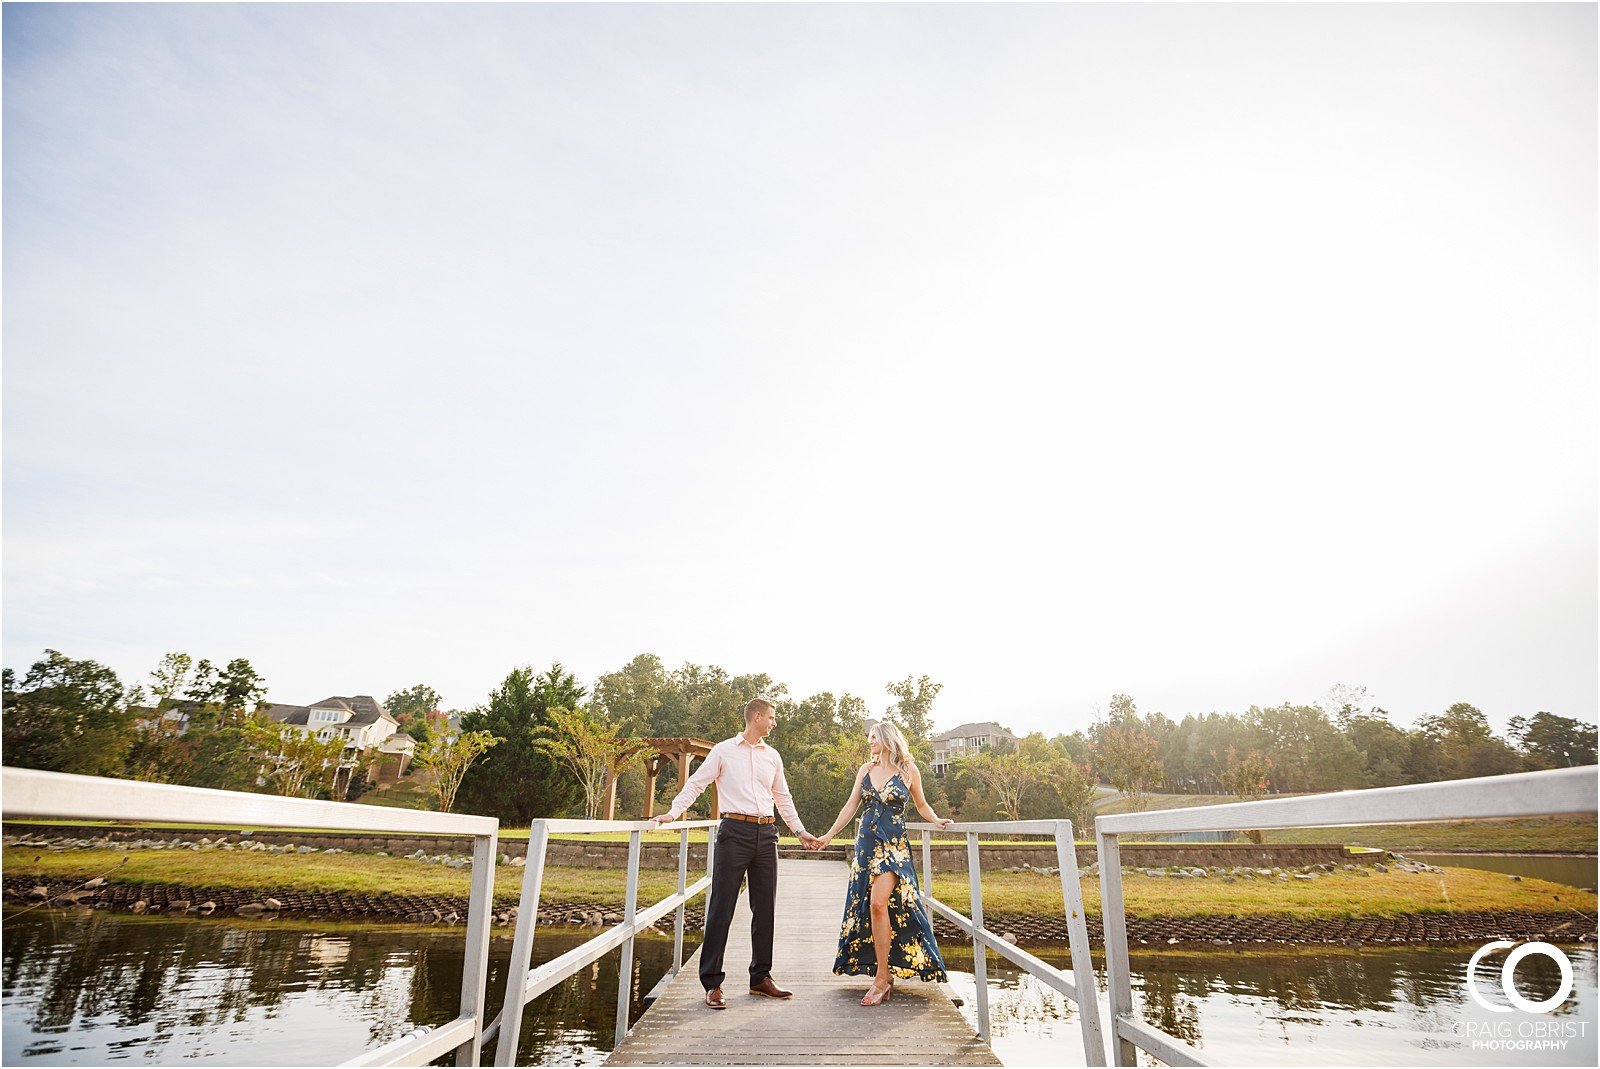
<point x="785" y="801"/>
<point x="698" y="782"/>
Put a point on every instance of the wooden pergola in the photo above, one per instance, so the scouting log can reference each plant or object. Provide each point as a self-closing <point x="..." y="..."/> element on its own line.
<point x="657" y="752"/>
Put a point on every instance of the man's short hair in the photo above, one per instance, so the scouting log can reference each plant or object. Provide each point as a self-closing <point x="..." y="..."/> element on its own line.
<point x="757" y="705"/>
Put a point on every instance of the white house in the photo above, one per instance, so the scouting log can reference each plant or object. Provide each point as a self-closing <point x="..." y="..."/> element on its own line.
<point x="968" y="739"/>
<point x="361" y="721"/>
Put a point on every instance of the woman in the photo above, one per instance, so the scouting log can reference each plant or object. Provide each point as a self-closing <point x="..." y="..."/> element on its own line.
<point x="886" y="932"/>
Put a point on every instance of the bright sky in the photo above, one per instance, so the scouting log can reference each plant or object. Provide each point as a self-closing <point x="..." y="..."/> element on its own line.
<point x="1214" y="355"/>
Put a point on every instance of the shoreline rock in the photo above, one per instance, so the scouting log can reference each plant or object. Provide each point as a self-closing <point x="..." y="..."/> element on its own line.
<point x="1260" y="932"/>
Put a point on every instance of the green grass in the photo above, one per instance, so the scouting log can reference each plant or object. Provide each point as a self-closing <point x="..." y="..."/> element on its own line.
<point x="356" y="873"/>
<point x="1337" y="895"/>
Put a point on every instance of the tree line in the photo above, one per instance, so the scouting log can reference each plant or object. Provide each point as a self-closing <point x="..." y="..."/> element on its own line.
<point x="545" y="744"/>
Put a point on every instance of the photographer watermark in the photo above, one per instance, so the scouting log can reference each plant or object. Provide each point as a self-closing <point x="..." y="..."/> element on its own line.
<point x="1524" y="1034"/>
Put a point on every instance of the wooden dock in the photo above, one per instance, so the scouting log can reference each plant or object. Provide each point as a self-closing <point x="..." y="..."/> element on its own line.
<point x="824" y="1024"/>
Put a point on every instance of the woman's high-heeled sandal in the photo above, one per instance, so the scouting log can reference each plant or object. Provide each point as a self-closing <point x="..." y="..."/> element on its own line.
<point x="883" y="994"/>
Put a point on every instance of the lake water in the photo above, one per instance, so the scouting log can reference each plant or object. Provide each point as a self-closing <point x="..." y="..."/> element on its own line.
<point x="92" y="987"/>
<point x="1557" y="868"/>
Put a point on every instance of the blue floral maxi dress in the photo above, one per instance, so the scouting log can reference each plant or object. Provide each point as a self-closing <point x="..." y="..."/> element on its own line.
<point x="881" y="847"/>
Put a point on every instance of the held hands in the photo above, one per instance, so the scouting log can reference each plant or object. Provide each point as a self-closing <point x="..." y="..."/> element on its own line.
<point x="814" y="843"/>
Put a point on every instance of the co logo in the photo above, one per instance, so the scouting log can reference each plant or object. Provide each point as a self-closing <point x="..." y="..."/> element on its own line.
<point x="1507" y="978"/>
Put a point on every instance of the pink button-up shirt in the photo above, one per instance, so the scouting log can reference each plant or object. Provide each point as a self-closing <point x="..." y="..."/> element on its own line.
<point x="749" y="780"/>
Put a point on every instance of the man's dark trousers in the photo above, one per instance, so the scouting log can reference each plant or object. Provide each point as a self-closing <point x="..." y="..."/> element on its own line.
<point x="743" y="850"/>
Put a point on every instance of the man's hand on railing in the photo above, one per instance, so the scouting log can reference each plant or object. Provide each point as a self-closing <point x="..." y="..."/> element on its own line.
<point x="663" y="818"/>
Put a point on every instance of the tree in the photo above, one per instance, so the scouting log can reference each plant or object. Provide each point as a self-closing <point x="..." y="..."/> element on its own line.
<point x="413" y="703"/>
<point x="1384" y="748"/>
<point x="1125" y="753"/>
<point x="66" y="716"/>
<point x="1247" y="776"/>
<point x="169" y="679"/>
<point x="1009" y="776"/>
<point x="632" y="695"/>
<point x="1308" y="752"/>
<point x="588" y="747"/>
<point x="1551" y="741"/>
<point x="520" y="781"/>
<point x="823" y="779"/>
<point x="1074" y="783"/>
<point x="293" y="762"/>
<point x="451" y="759"/>
<point x="236" y="687"/>
<point x="912" y="709"/>
<point x="1461" y="744"/>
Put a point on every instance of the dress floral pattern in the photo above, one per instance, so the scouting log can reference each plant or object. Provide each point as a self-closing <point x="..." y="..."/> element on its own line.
<point x="881" y="847"/>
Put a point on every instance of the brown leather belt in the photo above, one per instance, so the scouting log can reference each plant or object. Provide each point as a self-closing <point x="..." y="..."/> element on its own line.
<point x="747" y="818"/>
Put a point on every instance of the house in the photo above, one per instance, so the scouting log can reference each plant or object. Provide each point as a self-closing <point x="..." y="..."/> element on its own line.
<point x="394" y="756"/>
<point x="359" y="720"/>
<point x="968" y="739"/>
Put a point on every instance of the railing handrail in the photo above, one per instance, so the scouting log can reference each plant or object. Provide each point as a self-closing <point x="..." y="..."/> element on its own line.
<point x="578" y="826"/>
<point x="30" y="793"/>
<point x="1080" y="985"/>
<point x="992" y="827"/>
<point x="523" y="983"/>
<point x="1545" y="793"/>
<point x="1522" y="794"/>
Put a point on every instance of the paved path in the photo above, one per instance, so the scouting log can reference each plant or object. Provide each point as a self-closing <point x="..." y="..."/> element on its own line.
<point x="824" y="1024"/>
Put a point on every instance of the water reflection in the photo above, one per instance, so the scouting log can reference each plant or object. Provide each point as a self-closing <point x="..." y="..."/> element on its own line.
<point x="86" y="987"/>
<point x="1320" y="1007"/>
<point x="90" y="987"/>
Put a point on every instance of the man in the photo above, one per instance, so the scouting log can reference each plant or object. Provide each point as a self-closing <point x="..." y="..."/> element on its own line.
<point x="750" y="781"/>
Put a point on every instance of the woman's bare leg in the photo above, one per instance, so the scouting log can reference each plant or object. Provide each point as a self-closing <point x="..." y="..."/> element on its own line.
<point x="882" y="934"/>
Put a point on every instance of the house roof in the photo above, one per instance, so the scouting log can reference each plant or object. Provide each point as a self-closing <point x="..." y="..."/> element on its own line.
<point x="363" y="709"/>
<point x="289" y="714"/>
<point x="967" y="731"/>
<point x="364" y="706"/>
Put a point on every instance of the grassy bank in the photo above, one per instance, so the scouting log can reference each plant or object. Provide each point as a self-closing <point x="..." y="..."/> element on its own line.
<point x="1335" y="895"/>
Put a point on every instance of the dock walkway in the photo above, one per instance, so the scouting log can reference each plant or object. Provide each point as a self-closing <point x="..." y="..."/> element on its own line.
<point x="824" y="1024"/>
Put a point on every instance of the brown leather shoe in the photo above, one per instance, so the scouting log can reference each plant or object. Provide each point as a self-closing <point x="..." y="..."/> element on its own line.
<point x="771" y="990"/>
<point x="714" y="999"/>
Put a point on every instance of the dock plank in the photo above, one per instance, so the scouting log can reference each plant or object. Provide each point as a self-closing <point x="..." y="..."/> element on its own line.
<point x="824" y="1024"/>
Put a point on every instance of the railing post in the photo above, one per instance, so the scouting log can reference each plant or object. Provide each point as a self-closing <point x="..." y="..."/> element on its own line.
<point x="1094" y="1042"/>
<point x="625" y="966"/>
<point x="980" y="964"/>
<point x="927" y="865"/>
<point x="475" y="966"/>
<point x="683" y="882"/>
<point x="1114" y="927"/>
<point x="522" y="946"/>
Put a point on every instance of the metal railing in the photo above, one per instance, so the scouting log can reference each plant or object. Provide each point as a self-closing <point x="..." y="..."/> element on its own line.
<point x="1527" y="794"/>
<point x="27" y="794"/>
<point x="1079" y="985"/>
<point x="524" y="985"/>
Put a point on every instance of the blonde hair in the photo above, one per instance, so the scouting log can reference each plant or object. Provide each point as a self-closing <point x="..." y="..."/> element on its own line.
<point x="757" y="705"/>
<point x="895" y="748"/>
